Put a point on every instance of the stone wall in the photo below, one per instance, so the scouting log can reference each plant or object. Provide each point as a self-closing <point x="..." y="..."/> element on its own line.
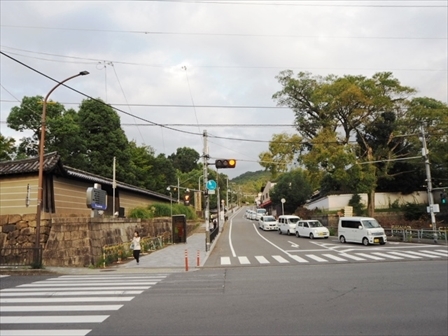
<point x="20" y="231"/>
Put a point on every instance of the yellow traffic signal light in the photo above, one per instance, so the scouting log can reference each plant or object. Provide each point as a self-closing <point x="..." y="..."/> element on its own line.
<point x="225" y="163"/>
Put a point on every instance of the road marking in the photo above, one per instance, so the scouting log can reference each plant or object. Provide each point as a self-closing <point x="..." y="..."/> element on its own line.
<point x="334" y="257"/>
<point x="262" y="260"/>
<point x="48" y="284"/>
<point x="244" y="260"/>
<point x="64" y="289"/>
<point x="71" y="293"/>
<point x="14" y="309"/>
<point x="54" y="300"/>
<point x="3" y="275"/>
<point x="365" y="255"/>
<point x="230" y="239"/>
<point x="316" y="258"/>
<point x="423" y="254"/>
<point x="280" y="259"/>
<point x="436" y="253"/>
<point x="402" y="254"/>
<point x="52" y="319"/>
<point x="443" y="251"/>
<point x="293" y="244"/>
<point x="352" y="257"/>
<point x="299" y="259"/>
<point x="66" y="332"/>
<point x="279" y="248"/>
<point x="225" y="261"/>
<point x="386" y="255"/>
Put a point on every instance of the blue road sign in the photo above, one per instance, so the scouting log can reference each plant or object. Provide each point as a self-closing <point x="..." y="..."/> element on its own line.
<point x="211" y="185"/>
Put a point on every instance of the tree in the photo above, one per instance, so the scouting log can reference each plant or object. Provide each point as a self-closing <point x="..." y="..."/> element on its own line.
<point x="185" y="159"/>
<point x="283" y="148"/>
<point x="294" y="188"/>
<point x="354" y="107"/>
<point x="7" y="148"/>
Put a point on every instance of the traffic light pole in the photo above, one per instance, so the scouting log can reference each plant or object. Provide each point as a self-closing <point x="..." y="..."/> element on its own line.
<point x="429" y="186"/>
<point x="206" y="197"/>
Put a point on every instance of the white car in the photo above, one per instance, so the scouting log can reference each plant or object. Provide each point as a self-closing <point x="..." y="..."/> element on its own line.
<point x="287" y="224"/>
<point x="267" y="223"/>
<point x="312" y="229"/>
<point x="260" y="212"/>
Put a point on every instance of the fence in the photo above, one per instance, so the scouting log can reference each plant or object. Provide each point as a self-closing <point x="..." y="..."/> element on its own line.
<point x="407" y="234"/>
<point x="21" y="256"/>
<point x="213" y="233"/>
<point x="120" y="252"/>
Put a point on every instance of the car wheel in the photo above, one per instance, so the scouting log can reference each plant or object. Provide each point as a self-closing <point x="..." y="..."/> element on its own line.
<point x="342" y="239"/>
<point x="297" y="234"/>
<point x="288" y="233"/>
<point x="311" y="236"/>
<point x="279" y="231"/>
<point x="365" y="242"/>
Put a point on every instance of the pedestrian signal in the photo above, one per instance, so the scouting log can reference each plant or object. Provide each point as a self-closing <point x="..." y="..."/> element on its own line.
<point x="225" y="163"/>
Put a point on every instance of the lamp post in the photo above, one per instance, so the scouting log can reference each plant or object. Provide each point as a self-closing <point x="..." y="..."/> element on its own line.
<point x="41" y="166"/>
<point x="171" y="200"/>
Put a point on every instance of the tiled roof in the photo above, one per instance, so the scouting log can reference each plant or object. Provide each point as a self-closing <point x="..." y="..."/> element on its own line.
<point x="52" y="161"/>
<point x="29" y="165"/>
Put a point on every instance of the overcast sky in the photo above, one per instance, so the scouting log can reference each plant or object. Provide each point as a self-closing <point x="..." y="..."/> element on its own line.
<point x="209" y="63"/>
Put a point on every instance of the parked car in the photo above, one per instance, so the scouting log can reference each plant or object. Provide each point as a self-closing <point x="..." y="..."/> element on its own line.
<point x="287" y="224"/>
<point x="365" y="230"/>
<point x="267" y="223"/>
<point x="312" y="229"/>
<point x="260" y="212"/>
<point x="253" y="215"/>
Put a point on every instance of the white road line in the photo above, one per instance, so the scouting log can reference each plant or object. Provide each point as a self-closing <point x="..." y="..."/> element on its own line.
<point x="434" y="252"/>
<point x="81" y="284"/>
<point x="298" y="259"/>
<point x="316" y="258"/>
<point x="230" y="239"/>
<point x="334" y="257"/>
<point x="96" y="282"/>
<point x="52" y="319"/>
<point x="280" y="259"/>
<point x="279" y="248"/>
<point x="111" y="277"/>
<point x="53" y="332"/>
<point x="365" y="255"/>
<point x="262" y="260"/>
<point x="402" y="254"/>
<point x="71" y="293"/>
<point x="225" y="261"/>
<point x="349" y="256"/>
<point x="58" y="300"/>
<point x="423" y="254"/>
<point x="443" y="251"/>
<point x="65" y="288"/>
<point x="3" y="275"/>
<point x="15" y="309"/>
<point x="244" y="260"/>
<point x="387" y="255"/>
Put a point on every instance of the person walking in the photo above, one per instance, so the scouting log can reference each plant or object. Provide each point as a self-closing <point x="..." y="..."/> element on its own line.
<point x="136" y="246"/>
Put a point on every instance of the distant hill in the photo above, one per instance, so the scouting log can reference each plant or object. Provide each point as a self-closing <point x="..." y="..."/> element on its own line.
<point x="251" y="182"/>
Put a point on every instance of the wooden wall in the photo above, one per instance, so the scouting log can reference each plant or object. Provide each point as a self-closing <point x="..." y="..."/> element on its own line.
<point x="70" y="196"/>
<point x="13" y="191"/>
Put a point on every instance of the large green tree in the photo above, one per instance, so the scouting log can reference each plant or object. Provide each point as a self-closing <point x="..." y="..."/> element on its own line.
<point x="185" y="159"/>
<point x="7" y="148"/>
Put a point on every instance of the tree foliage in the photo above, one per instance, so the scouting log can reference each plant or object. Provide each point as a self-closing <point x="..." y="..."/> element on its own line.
<point x="185" y="159"/>
<point x="7" y="148"/>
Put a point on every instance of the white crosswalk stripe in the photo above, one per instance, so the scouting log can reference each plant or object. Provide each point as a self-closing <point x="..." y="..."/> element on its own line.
<point x="336" y="256"/>
<point x="4" y="275"/>
<point x="62" y="301"/>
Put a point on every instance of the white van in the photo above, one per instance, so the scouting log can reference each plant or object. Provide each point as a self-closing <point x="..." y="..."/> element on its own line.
<point x="261" y="212"/>
<point x="365" y="230"/>
<point x="287" y="224"/>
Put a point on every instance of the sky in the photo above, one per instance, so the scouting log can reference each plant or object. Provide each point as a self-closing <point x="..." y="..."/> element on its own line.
<point x="196" y="66"/>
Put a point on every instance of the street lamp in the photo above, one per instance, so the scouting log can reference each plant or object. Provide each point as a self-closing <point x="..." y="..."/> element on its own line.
<point x="171" y="200"/>
<point x="41" y="166"/>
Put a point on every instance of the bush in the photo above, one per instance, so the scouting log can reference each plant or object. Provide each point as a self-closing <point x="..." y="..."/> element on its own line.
<point x="358" y="207"/>
<point x="140" y="212"/>
<point x="162" y="210"/>
<point x="412" y="211"/>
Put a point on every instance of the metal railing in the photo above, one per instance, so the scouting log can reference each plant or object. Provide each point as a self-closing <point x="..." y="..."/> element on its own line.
<point x="407" y="234"/>
<point x="213" y="233"/>
<point x="21" y="256"/>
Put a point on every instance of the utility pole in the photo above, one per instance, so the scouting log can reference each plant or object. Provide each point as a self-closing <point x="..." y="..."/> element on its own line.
<point x="429" y="185"/>
<point x="227" y="194"/>
<point x="206" y="197"/>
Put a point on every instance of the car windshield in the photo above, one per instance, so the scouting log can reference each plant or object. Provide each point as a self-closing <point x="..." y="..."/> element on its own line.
<point x="293" y="220"/>
<point x="371" y="223"/>
<point x="261" y="211"/>
<point x="269" y="218"/>
<point x="315" y="224"/>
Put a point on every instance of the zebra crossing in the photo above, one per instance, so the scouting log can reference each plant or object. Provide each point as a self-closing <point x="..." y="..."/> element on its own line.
<point x="305" y="258"/>
<point x="68" y="301"/>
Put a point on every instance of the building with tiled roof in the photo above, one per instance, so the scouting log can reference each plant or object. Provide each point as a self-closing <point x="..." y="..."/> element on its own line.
<point x="64" y="189"/>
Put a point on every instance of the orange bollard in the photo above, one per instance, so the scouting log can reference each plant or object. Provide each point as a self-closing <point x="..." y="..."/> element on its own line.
<point x="198" y="261"/>
<point x="186" y="260"/>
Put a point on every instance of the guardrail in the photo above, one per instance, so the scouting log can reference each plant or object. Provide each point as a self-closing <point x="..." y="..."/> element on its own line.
<point x="213" y="233"/>
<point x="408" y="235"/>
<point x="119" y="252"/>
<point x="21" y="256"/>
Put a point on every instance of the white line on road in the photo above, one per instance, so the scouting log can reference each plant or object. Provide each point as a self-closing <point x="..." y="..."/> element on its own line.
<point x="230" y="239"/>
<point x="316" y="258"/>
<point x="334" y="257"/>
<point x="443" y="251"/>
<point x="71" y="293"/>
<point x="402" y="254"/>
<point x="262" y="260"/>
<point x="244" y="260"/>
<point x="225" y="261"/>
<point x="299" y="259"/>
<point x="21" y="289"/>
<point x="279" y="248"/>
<point x="78" y="284"/>
<point x="365" y="255"/>
<point x="423" y="254"/>
<point x="387" y="255"/>
<point x="280" y="259"/>
<point x="54" y="300"/>
<point x="349" y="256"/>
<point x="15" y="309"/>
<point x="436" y="253"/>
<point x="53" y="332"/>
<point x="52" y="319"/>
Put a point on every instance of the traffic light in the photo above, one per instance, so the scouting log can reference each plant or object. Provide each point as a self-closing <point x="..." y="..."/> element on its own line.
<point x="187" y="199"/>
<point x="225" y="163"/>
<point x="443" y="197"/>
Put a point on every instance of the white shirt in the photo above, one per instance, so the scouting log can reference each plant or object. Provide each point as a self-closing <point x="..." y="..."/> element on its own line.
<point x="136" y="242"/>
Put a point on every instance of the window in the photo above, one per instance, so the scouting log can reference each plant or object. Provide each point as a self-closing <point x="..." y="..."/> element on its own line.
<point x="350" y="224"/>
